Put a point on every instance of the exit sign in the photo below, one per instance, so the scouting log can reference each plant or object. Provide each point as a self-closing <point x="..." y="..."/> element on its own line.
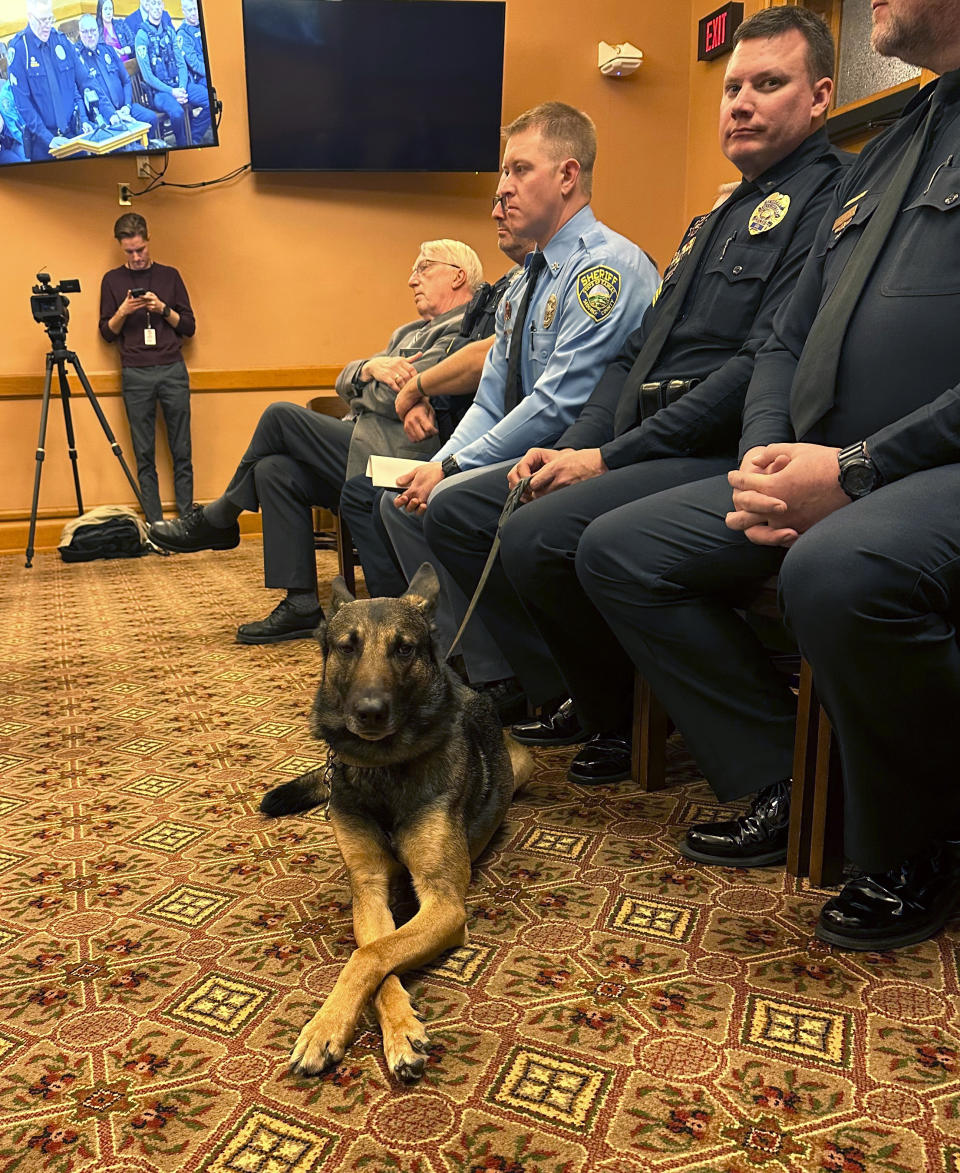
<point x="716" y="31"/>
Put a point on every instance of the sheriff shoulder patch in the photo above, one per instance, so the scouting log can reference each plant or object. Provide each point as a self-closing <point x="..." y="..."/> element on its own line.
<point x="597" y="291"/>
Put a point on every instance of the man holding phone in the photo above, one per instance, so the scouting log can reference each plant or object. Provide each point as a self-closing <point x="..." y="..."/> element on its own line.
<point x="144" y="306"/>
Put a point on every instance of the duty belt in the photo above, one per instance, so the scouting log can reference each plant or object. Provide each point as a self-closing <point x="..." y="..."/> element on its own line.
<point x="653" y="396"/>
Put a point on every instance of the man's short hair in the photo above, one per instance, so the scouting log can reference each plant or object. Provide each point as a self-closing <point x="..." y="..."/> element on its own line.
<point x="130" y="224"/>
<point x="87" y="17"/>
<point x="774" y="22"/>
<point x="455" y="252"/>
<point x="566" y="131"/>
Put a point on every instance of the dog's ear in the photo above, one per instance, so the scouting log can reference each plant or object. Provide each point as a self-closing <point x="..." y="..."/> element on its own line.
<point x="320" y="635"/>
<point x="424" y="589"/>
<point x="340" y="595"/>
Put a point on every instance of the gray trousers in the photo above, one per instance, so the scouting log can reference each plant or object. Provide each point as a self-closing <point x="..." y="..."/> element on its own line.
<point x="296" y="459"/>
<point x="481" y="655"/>
<point x="143" y="389"/>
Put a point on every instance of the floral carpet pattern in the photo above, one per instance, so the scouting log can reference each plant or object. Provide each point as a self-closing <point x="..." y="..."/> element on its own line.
<point x="615" y="1008"/>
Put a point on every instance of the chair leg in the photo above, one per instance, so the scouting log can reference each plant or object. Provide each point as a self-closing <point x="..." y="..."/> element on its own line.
<point x="804" y="776"/>
<point x="345" y="554"/>
<point x="815" y="846"/>
<point x="826" y="837"/>
<point x="650" y="732"/>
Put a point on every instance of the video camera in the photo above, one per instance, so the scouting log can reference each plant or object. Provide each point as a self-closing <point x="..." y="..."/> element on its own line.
<point x="47" y="303"/>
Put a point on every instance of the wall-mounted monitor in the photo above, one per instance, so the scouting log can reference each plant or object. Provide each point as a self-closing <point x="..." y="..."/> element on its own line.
<point x="374" y="85"/>
<point x="114" y="78"/>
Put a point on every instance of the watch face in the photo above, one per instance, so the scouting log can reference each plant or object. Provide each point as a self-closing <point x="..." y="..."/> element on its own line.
<point x="859" y="477"/>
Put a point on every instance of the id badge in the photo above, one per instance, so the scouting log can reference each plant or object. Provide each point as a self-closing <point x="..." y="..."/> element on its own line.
<point x="149" y="336"/>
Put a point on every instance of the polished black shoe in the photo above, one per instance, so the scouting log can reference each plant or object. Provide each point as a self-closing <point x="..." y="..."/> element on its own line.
<point x="605" y="758"/>
<point x="561" y="727"/>
<point x="508" y="698"/>
<point x="187" y="535"/>
<point x="891" y="909"/>
<point x="284" y="622"/>
<point x="757" y="838"/>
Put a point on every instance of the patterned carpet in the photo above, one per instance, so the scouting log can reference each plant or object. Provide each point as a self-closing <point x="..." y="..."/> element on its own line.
<point x="615" y="1009"/>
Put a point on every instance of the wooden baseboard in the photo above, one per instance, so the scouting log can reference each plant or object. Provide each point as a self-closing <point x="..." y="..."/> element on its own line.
<point x="287" y="379"/>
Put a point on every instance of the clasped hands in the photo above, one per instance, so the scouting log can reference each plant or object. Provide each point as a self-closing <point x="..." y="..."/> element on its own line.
<point x="781" y="490"/>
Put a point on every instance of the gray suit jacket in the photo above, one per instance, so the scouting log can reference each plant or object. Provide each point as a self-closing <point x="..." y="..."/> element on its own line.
<point x="377" y="430"/>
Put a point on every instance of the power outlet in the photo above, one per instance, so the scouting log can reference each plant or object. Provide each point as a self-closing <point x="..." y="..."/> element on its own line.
<point x="143" y="166"/>
<point x="123" y="195"/>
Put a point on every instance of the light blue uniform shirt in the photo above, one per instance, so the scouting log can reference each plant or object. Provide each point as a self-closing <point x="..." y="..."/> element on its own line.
<point x="591" y="295"/>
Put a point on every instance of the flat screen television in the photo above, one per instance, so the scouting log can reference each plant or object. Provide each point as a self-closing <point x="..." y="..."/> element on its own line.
<point x="121" y="78"/>
<point x="374" y="85"/>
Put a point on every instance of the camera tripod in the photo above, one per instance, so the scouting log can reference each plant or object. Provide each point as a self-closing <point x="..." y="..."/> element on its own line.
<point x="58" y="357"/>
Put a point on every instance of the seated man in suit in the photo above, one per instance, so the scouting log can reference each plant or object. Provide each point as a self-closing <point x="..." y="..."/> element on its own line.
<point x="431" y="404"/>
<point x="848" y="484"/>
<point x="298" y="458"/>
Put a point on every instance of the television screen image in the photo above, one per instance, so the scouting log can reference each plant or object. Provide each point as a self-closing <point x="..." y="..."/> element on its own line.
<point x="115" y="78"/>
<point x="374" y="85"/>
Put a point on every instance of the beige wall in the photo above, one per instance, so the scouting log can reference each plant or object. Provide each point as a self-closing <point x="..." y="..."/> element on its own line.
<point x="300" y="270"/>
<point x="705" y="166"/>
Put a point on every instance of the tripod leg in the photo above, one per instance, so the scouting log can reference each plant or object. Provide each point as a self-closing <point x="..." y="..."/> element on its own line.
<point x="41" y="440"/>
<point x="107" y="430"/>
<point x="68" y="424"/>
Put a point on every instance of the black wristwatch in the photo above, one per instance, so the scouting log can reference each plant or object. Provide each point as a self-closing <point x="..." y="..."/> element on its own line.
<point x="858" y="474"/>
<point x="165" y="312"/>
<point x="449" y="467"/>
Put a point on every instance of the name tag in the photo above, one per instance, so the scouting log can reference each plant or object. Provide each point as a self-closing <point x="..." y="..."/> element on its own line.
<point x="149" y="336"/>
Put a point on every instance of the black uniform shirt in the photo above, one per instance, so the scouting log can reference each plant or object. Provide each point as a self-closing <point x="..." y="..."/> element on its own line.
<point x="479" y="320"/>
<point x="757" y="248"/>
<point x="900" y="362"/>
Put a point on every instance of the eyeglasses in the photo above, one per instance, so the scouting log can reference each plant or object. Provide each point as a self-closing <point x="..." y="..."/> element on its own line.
<point x="421" y="267"/>
<point x="501" y="200"/>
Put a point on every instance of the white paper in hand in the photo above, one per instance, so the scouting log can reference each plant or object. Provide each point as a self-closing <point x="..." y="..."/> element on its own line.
<point x="384" y="470"/>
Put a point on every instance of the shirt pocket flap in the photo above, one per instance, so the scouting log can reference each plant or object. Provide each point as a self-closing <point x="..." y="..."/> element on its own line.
<point x="745" y="262"/>
<point x="942" y="192"/>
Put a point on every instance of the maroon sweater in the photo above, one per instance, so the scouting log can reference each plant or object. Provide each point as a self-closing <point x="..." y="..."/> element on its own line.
<point x="167" y="284"/>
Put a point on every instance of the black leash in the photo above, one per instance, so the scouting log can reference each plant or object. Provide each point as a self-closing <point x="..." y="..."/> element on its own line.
<point x="514" y="498"/>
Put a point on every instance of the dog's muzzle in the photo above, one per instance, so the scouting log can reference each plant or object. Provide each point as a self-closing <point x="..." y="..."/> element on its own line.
<point x="369" y="715"/>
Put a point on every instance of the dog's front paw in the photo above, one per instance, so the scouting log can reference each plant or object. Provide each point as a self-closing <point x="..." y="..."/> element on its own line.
<point x="319" y="1046"/>
<point x="405" y="1047"/>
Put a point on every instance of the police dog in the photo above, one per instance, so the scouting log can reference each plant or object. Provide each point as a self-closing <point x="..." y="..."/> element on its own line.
<point x="421" y="778"/>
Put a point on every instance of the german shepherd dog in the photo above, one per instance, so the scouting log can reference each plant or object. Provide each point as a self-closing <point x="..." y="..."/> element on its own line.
<point x="421" y="778"/>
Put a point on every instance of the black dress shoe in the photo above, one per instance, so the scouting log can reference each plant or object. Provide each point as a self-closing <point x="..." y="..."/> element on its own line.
<point x="284" y="622"/>
<point x="759" y="837"/>
<point x="187" y="535"/>
<point x="900" y="907"/>
<point x="561" y="727"/>
<point x="605" y="758"/>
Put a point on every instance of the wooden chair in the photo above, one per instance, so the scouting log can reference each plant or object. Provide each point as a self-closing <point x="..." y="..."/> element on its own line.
<point x="323" y="519"/>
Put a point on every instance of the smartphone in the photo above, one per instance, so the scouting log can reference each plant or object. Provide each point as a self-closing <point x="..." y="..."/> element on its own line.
<point x="138" y="293"/>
